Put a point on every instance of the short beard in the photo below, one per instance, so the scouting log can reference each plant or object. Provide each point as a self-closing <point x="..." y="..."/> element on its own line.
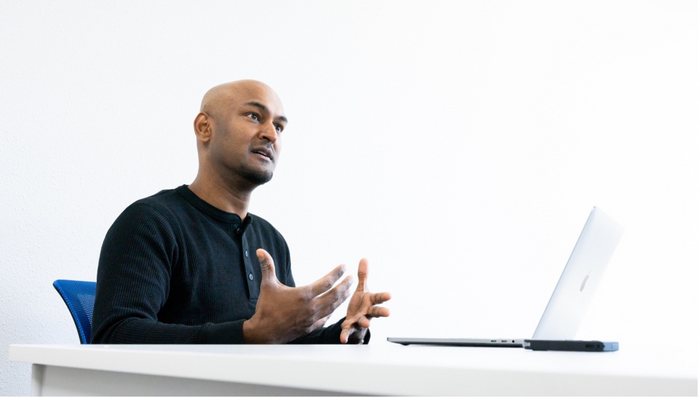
<point x="255" y="177"/>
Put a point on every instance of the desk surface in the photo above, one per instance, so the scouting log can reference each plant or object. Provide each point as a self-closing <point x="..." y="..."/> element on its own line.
<point x="382" y="368"/>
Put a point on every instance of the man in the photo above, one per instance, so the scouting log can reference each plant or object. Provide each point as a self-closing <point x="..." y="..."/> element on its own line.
<point x="191" y="265"/>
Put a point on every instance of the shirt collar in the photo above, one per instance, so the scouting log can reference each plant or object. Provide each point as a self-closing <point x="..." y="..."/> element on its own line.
<point x="208" y="209"/>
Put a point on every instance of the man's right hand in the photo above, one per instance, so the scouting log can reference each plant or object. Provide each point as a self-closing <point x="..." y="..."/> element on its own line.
<point x="284" y="313"/>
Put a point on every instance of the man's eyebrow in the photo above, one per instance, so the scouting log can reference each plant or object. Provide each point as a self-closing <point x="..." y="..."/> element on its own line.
<point x="263" y="108"/>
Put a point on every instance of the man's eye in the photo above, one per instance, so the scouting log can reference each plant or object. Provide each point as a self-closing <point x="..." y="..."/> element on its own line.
<point x="279" y="128"/>
<point x="254" y="116"/>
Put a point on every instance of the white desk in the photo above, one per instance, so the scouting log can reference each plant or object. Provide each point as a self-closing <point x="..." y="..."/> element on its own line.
<point x="376" y="369"/>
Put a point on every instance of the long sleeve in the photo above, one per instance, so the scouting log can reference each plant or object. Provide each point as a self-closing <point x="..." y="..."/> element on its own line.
<point x="134" y="283"/>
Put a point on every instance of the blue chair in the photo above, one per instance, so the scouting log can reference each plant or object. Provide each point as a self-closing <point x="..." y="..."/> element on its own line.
<point x="79" y="296"/>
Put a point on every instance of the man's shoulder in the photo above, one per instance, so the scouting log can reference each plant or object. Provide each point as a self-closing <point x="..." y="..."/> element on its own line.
<point x="261" y="224"/>
<point x="259" y="221"/>
<point x="164" y="198"/>
<point x="164" y="204"/>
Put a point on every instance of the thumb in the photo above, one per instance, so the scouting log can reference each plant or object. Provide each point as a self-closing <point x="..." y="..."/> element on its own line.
<point x="267" y="265"/>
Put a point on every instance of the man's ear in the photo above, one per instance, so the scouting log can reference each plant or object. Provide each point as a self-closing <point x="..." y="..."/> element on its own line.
<point x="203" y="127"/>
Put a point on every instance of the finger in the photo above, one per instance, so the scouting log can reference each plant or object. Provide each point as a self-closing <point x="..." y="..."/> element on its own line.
<point x="344" y="335"/>
<point x="326" y="283"/>
<point x="378" y="312"/>
<point x="362" y="270"/>
<point x="346" y="330"/>
<point x="371" y="312"/>
<point x="267" y="265"/>
<point x="320" y="323"/>
<point x="363" y="322"/>
<point x="332" y="299"/>
<point x="356" y="322"/>
<point x="339" y="292"/>
<point x="351" y="320"/>
<point x="349" y="329"/>
<point x="378" y="298"/>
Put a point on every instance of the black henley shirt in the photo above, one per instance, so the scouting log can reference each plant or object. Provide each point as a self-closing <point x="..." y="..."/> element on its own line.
<point x="175" y="269"/>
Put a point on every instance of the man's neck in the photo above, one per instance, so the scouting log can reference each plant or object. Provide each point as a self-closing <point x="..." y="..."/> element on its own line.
<point x="228" y="198"/>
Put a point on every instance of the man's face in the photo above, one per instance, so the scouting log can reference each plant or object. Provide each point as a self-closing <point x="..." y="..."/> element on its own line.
<point x="246" y="135"/>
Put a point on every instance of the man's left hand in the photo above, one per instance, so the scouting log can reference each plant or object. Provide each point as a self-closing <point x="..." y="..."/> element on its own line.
<point x="362" y="308"/>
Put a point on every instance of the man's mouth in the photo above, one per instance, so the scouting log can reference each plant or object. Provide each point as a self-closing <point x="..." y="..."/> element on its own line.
<point x="264" y="151"/>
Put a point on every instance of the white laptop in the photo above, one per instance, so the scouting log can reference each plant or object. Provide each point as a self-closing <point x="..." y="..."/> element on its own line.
<point x="567" y="306"/>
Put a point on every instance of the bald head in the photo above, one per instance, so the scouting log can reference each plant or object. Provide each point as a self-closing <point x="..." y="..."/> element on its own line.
<point x="224" y="95"/>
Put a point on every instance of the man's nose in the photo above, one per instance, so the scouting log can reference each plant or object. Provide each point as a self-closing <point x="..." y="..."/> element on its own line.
<point x="269" y="132"/>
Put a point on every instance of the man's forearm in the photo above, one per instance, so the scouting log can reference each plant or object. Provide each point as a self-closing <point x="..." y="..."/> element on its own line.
<point x="144" y="331"/>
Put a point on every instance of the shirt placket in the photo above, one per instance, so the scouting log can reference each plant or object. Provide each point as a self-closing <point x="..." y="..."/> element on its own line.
<point x="248" y="264"/>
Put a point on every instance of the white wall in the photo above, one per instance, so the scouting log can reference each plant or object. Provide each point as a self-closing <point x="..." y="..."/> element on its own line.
<point x="457" y="145"/>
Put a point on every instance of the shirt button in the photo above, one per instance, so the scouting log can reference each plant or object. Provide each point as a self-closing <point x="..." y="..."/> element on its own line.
<point x="250" y="276"/>
<point x="246" y="253"/>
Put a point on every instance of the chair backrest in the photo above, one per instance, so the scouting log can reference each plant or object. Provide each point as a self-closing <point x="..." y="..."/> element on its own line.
<point x="79" y="296"/>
